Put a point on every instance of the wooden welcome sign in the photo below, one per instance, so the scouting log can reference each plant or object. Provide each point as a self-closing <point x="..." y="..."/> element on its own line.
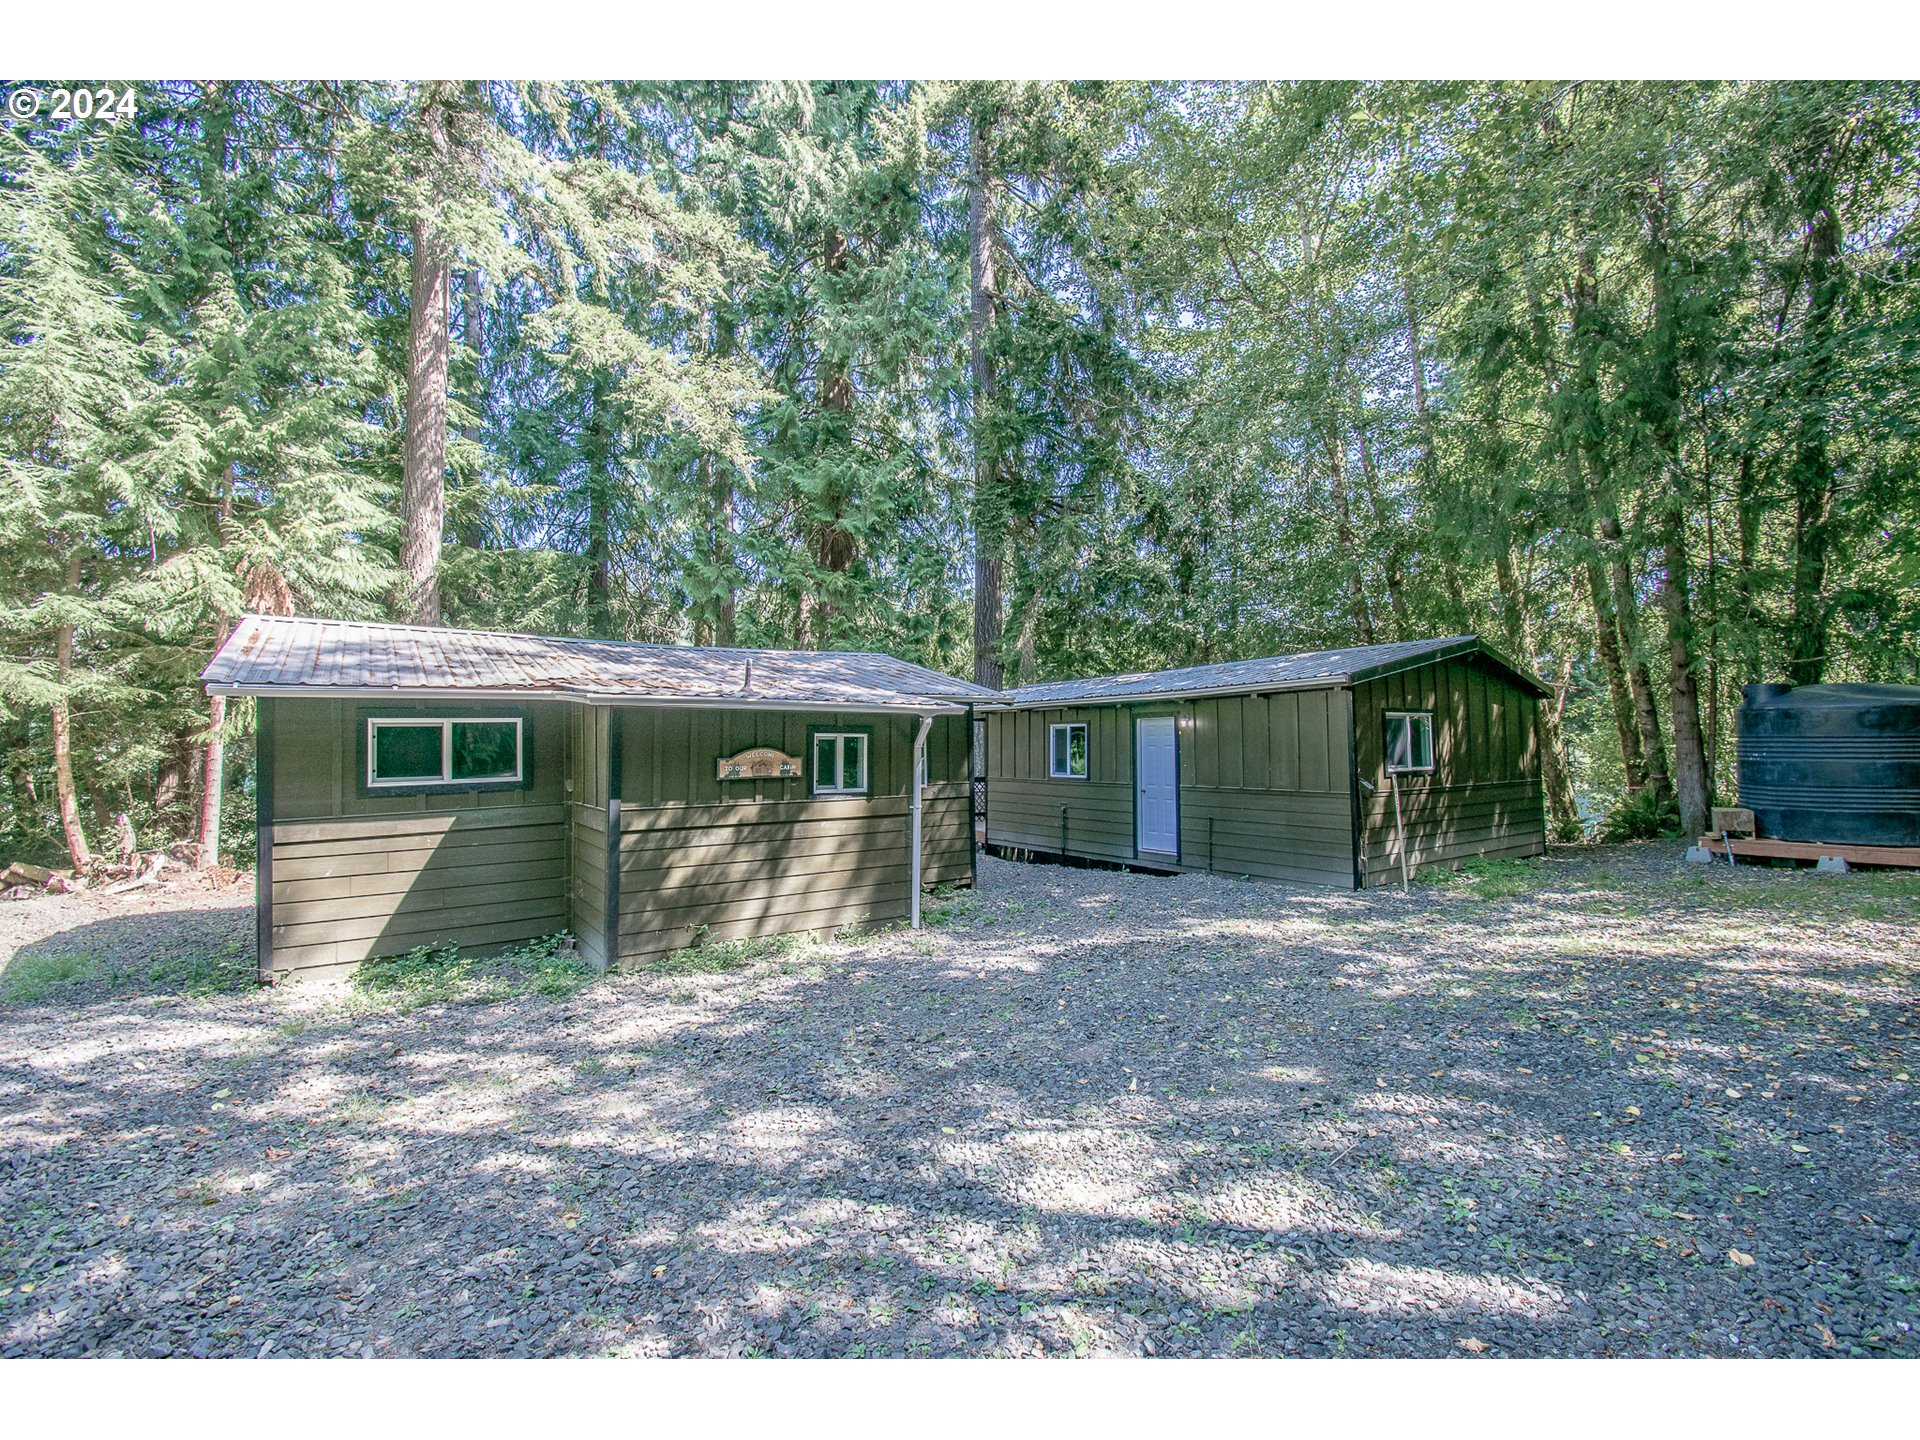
<point x="762" y="762"/>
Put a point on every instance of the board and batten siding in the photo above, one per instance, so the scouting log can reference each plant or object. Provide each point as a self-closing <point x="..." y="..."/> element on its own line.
<point x="354" y="876"/>
<point x="587" y="798"/>
<point x="1028" y="810"/>
<point x="1484" y="797"/>
<point x="701" y="858"/>
<point x="1262" y="785"/>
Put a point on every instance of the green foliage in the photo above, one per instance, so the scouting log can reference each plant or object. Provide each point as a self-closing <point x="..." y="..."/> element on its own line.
<point x="1488" y="880"/>
<point x="31" y="976"/>
<point x="1273" y="366"/>
<point x="1643" y="815"/>
<point x="195" y="970"/>
<point x="721" y="957"/>
<point x="442" y="973"/>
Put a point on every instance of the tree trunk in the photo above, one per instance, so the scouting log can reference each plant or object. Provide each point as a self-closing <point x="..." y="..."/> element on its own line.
<point x="63" y="736"/>
<point x="598" y="444"/>
<point x="473" y="527"/>
<point x="1394" y="561"/>
<point x="720" y="548"/>
<point x="1358" y="615"/>
<point x="423" y="498"/>
<point x="989" y="504"/>
<point x="1626" y="605"/>
<point x="1812" y="476"/>
<point x="1746" y="499"/>
<point x="1606" y="635"/>
<point x="1689" y="746"/>
<point x="831" y="543"/>
<point x="1520" y="642"/>
<point x="212" y="789"/>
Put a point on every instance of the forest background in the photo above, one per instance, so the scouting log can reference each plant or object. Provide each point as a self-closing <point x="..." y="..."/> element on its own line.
<point x="1021" y="381"/>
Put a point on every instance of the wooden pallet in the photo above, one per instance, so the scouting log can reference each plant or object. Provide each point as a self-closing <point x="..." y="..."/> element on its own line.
<point x="1907" y="856"/>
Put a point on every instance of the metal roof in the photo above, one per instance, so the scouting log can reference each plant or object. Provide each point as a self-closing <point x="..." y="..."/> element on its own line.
<point x="1307" y="670"/>
<point x="268" y="655"/>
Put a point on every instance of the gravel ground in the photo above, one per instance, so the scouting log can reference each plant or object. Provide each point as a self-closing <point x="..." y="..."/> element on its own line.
<point x="1635" y="1108"/>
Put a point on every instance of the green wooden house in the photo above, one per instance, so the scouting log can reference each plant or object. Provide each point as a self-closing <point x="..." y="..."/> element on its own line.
<point x="1286" y="768"/>
<point x="419" y="785"/>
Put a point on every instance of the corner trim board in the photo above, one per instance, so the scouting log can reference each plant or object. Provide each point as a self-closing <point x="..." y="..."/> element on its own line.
<point x="263" y="837"/>
<point x="610" y="925"/>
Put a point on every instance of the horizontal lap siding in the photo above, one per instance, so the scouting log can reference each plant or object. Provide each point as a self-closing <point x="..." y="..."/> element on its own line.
<point x="1484" y="797"/>
<point x="590" y="883"/>
<point x="356" y="876"/>
<point x="738" y="859"/>
<point x="346" y="891"/>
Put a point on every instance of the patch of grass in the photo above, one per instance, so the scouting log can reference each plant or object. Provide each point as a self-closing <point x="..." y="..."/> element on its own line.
<point x="209" y="968"/>
<point x="948" y="903"/>
<point x="431" y="974"/>
<point x="721" y="957"/>
<point x="1487" y="879"/>
<point x="31" y="977"/>
<point x="206" y="972"/>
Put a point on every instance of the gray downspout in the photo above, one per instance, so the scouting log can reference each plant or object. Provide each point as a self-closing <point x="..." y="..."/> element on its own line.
<point x="913" y="781"/>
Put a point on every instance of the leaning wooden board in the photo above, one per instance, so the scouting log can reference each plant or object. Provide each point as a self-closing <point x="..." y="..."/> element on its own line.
<point x="1903" y="855"/>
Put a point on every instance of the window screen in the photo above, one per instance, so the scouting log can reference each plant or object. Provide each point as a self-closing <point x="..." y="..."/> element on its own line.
<point x="1067" y="747"/>
<point x="407" y="752"/>
<point x="486" y="749"/>
<point x="839" y="763"/>
<point x="1409" y="741"/>
<point x="444" y="752"/>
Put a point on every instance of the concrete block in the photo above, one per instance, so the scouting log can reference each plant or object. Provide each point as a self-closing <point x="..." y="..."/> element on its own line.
<point x="1700" y="855"/>
<point x="1831" y="865"/>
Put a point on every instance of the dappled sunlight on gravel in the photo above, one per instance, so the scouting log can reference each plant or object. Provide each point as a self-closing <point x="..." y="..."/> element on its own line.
<point x="1091" y="1113"/>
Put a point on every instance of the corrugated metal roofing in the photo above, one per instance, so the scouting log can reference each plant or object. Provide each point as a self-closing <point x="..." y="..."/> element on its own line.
<point x="1309" y="669"/>
<point x="271" y="655"/>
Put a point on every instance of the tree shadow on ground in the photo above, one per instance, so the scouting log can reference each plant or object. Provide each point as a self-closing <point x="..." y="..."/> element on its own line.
<point x="1208" y="1118"/>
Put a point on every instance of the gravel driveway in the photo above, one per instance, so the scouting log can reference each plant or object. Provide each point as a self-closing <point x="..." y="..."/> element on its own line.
<point x="1636" y="1108"/>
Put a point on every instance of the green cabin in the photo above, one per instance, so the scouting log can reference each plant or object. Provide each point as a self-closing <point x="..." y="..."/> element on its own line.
<point x="1287" y="768"/>
<point x="417" y="785"/>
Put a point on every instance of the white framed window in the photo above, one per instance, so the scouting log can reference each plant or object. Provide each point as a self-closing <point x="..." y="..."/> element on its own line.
<point x="457" y="753"/>
<point x="1409" y="741"/>
<point x="1067" y="752"/>
<point x="839" y="762"/>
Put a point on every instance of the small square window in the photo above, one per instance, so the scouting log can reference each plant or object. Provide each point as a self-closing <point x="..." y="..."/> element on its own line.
<point x="1409" y="741"/>
<point x="1067" y="752"/>
<point x="839" y="763"/>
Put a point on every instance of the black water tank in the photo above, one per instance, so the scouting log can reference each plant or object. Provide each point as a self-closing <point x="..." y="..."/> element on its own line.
<point x="1832" y="763"/>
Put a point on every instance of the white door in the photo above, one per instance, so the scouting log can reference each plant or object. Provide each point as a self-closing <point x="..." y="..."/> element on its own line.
<point x="1157" y="782"/>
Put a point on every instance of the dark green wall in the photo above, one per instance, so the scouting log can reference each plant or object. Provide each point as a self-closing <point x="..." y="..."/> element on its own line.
<point x="356" y="876"/>
<point x="1484" y="797"/>
<point x="1262" y="786"/>
<point x="351" y="877"/>
<point x="1266" y="781"/>
<point x="732" y="859"/>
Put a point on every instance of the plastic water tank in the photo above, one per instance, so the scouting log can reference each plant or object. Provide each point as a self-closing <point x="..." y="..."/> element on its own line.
<point x="1832" y="763"/>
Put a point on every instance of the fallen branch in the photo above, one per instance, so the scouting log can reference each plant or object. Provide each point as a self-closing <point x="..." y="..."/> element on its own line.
<point x="149" y="876"/>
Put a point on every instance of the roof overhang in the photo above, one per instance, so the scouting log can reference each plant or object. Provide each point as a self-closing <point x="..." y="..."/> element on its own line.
<point x="577" y="697"/>
<point x="1161" y="697"/>
<point x="1466" y="648"/>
